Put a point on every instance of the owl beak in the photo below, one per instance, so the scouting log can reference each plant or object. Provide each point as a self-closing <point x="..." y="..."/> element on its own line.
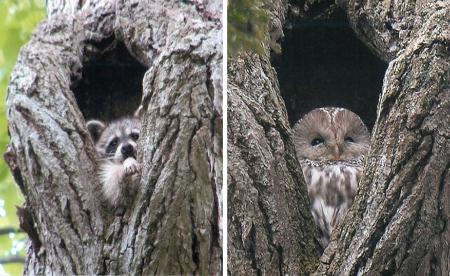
<point x="336" y="152"/>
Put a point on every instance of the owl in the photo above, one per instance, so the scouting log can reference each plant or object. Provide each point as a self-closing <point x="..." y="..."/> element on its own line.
<point x="331" y="144"/>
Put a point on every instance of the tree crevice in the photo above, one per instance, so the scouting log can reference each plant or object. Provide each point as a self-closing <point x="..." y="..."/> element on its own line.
<point x="94" y="61"/>
<point x="394" y="225"/>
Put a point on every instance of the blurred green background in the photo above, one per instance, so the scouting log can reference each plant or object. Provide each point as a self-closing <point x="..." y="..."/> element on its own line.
<point x="17" y="21"/>
<point x="247" y="26"/>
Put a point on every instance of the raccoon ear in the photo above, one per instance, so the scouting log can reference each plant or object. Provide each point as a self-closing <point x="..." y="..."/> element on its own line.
<point x="138" y="113"/>
<point x="95" y="128"/>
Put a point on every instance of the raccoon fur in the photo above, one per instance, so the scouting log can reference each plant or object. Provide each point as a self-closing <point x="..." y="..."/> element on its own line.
<point x="116" y="144"/>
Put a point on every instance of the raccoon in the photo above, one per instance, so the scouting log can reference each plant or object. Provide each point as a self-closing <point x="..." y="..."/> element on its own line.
<point x="116" y="144"/>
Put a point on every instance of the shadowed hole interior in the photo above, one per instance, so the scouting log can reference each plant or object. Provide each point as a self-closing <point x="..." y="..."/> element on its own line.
<point x="111" y="85"/>
<point x="324" y="64"/>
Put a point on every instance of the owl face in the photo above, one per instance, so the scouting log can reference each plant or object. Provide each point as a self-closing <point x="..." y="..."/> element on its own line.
<point x="330" y="134"/>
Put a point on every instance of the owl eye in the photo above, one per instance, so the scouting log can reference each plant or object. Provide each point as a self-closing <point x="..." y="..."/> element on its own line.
<point x="349" y="139"/>
<point x="316" y="141"/>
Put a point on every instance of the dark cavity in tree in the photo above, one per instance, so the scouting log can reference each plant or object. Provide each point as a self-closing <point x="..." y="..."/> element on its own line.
<point x="111" y="85"/>
<point x="324" y="64"/>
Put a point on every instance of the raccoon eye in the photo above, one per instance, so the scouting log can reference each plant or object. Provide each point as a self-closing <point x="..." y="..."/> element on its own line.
<point x="134" y="136"/>
<point x="112" y="144"/>
<point x="316" y="141"/>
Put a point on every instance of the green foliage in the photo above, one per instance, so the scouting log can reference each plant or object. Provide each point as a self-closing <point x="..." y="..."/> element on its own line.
<point x="247" y="26"/>
<point x="17" y="20"/>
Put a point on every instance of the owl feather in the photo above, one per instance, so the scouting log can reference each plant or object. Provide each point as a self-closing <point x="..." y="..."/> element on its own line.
<point x="331" y="144"/>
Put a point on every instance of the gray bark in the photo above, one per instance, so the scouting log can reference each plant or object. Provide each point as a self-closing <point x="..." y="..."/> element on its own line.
<point x="270" y="228"/>
<point x="173" y="225"/>
<point x="399" y="221"/>
<point x="398" y="224"/>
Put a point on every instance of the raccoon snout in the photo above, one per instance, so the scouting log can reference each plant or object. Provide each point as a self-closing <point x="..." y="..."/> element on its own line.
<point x="127" y="151"/>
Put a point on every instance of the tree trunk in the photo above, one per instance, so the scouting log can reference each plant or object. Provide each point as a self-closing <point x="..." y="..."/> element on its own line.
<point x="270" y="228"/>
<point x="172" y="226"/>
<point x="267" y="200"/>
<point x="399" y="221"/>
<point x="398" y="224"/>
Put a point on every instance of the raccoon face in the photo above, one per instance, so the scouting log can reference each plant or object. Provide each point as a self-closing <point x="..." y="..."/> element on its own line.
<point x="116" y="141"/>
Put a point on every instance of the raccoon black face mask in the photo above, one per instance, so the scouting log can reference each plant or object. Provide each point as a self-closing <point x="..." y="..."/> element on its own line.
<point x="116" y="144"/>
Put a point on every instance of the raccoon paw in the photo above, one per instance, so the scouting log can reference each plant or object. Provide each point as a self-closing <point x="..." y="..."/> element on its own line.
<point x="131" y="166"/>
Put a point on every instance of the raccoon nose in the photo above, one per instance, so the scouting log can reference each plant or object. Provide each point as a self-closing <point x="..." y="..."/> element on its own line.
<point x="127" y="150"/>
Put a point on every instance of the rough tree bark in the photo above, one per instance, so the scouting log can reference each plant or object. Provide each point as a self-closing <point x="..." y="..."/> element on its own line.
<point x="270" y="228"/>
<point x="399" y="223"/>
<point x="173" y="225"/>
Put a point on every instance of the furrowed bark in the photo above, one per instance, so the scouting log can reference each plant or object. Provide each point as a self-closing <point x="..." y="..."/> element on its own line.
<point x="55" y="154"/>
<point x="268" y="201"/>
<point x="173" y="225"/>
<point x="270" y="228"/>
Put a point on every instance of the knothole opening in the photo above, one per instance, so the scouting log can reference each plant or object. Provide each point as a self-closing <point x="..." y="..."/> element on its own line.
<point x="323" y="63"/>
<point x="111" y="85"/>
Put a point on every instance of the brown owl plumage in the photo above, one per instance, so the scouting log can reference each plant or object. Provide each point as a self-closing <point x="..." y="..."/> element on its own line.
<point x="330" y="144"/>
